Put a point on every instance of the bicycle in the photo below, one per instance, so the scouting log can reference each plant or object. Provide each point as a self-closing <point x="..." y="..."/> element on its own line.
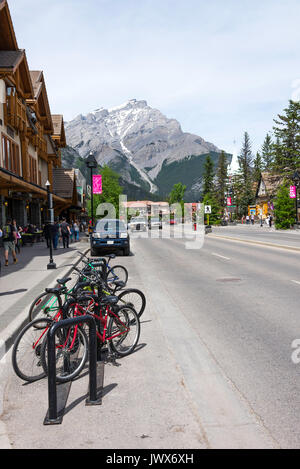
<point x="118" y="327"/>
<point x="27" y="349"/>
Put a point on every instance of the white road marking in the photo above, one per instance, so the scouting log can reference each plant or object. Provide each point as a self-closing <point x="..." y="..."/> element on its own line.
<point x="219" y="255"/>
<point x="296" y="281"/>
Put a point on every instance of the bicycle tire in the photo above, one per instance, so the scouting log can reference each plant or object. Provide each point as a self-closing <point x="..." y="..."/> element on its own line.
<point x="26" y="352"/>
<point x="43" y="304"/>
<point x="66" y="350"/>
<point x="123" y="343"/>
<point x="117" y="272"/>
<point x="135" y="298"/>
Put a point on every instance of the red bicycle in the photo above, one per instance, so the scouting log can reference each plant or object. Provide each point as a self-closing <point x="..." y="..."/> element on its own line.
<point x="117" y="326"/>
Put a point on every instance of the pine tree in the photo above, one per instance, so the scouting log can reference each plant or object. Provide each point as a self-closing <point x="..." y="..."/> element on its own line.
<point x="221" y="179"/>
<point x="245" y="158"/>
<point x="284" y="208"/>
<point x="257" y="167"/>
<point x="245" y="176"/>
<point x="267" y="153"/>
<point x="287" y="132"/>
<point x="208" y="176"/>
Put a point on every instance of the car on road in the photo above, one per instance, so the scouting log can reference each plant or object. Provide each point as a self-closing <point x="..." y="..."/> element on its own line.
<point x="138" y="224"/>
<point x="110" y="235"/>
<point x="154" y="223"/>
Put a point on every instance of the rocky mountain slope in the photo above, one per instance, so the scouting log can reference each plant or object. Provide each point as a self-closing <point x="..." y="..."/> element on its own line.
<point x="146" y="148"/>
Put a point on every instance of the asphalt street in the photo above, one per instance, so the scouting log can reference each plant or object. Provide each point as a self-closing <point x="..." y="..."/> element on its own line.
<point x="216" y="364"/>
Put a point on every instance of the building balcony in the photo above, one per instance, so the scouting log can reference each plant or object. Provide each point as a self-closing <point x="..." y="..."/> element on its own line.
<point x="15" y="113"/>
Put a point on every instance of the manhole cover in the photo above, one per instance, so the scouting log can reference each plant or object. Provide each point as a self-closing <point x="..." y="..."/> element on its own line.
<point x="229" y="279"/>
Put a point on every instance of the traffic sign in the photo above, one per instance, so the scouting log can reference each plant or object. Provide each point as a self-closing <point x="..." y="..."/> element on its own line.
<point x="207" y="209"/>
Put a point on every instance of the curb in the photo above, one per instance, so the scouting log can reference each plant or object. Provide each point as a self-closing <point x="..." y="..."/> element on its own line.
<point x="260" y="243"/>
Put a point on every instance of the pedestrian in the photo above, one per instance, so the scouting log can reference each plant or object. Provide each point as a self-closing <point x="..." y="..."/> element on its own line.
<point x="247" y="220"/>
<point x="47" y="233"/>
<point x="76" y="231"/>
<point x="18" y="232"/>
<point x="9" y="240"/>
<point x="65" y="233"/>
<point x="72" y="232"/>
<point x="55" y="233"/>
<point x="252" y="219"/>
<point x="270" y="221"/>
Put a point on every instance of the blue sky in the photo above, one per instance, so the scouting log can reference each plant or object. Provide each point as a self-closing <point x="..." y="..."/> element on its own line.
<point x="219" y="67"/>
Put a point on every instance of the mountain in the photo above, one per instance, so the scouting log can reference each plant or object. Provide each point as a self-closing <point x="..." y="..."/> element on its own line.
<point x="148" y="150"/>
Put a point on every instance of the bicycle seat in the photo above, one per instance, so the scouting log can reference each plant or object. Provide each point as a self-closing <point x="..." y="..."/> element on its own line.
<point x="84" y="299"/>
<point x="111" y="256"/>
<point x="98" y="264"/>
<point x="55" y="291"/>
<point x="109" y="300"/>
<point x="62" y="281"/>
<point x="119" y="283"/>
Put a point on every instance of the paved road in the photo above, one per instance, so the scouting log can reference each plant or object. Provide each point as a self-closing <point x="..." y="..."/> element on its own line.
<point x="214" y="368"/>
<point x="242" y="301"/>
<point x="260" y="234"/>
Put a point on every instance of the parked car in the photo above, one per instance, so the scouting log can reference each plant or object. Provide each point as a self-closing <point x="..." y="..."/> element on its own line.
<point x="154" y="223"/>
<point x="138" y="224"/>
<point x="173" y="221"/>
<point x="110" y="235"/>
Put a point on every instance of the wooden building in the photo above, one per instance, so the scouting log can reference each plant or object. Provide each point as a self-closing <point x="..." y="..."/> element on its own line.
<point x="267" y="188"/>
<point x="31" y="137"/>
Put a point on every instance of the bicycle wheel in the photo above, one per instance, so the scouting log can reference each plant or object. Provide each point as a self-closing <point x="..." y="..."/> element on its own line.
<point x="26" y="353"/>
<point x="134" y="298"/>
<point x="124" y="331"/>
<point x="47" y="304"/>
<point x="71" y="353"/>
<point x="118" y="272"/>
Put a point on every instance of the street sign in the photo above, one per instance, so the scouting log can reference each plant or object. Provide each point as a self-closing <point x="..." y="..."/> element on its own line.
<point x="293" y="192"/>
<point x="207" y="209"/>
<point x="228" y="201"/>
<point x="97" y="184"/>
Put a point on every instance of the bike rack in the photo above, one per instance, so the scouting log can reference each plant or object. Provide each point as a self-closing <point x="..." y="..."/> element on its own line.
<point x="52" y="417"/>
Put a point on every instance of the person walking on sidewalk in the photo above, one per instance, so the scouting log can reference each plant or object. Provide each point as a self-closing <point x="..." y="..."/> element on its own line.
<point x="9" y="241"/>
<point x="19" y="237"/>
<point x="65" y="233"/>
<point x="55" y="233"/>
<point x="76" y="231"/>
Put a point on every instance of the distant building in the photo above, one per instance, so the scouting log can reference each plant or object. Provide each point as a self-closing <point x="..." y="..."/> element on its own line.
<point x="267" y="188"/>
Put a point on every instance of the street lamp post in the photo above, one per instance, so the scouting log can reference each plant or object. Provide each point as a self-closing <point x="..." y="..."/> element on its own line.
<point x="91" y="164"/>
<point x="296" y="179"/>
<point x="51" y="265"/>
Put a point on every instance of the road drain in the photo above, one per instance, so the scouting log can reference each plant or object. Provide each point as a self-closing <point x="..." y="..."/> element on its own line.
<point x="229" y="279"/>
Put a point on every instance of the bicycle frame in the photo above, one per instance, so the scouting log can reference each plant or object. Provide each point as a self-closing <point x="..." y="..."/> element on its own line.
<point x="80" y="311"/>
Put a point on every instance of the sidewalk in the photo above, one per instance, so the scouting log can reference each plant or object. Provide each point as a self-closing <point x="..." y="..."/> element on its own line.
<point x="145" y="403"/>
<point x="21" y="283"/>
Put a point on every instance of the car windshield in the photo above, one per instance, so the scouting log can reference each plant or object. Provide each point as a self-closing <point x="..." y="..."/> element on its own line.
<point x="110" y="225"/>
<point x="138" y="219"/>
<point x="154" y="219"/>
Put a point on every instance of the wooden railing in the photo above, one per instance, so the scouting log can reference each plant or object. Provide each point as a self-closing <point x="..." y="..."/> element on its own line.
<point x="15" y="113"/>
<point x="39" y="140"/>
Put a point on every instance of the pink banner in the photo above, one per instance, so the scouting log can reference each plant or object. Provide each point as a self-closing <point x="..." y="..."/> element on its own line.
<point x="97" y="184"/>
<point x="293" y="192"/>
<point x="228" y="201"/>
